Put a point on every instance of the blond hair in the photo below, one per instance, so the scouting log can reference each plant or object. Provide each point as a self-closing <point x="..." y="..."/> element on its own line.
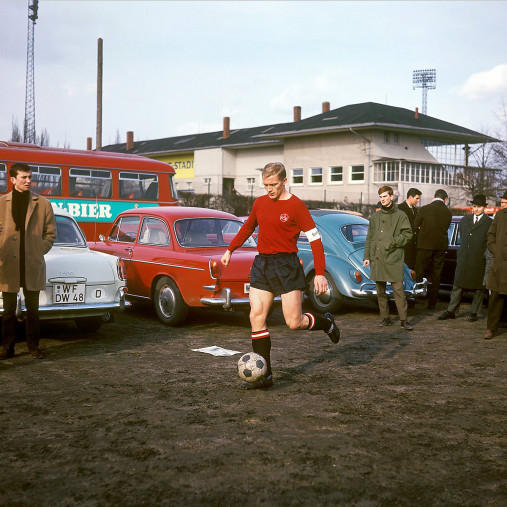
<point x="274" y="169"/>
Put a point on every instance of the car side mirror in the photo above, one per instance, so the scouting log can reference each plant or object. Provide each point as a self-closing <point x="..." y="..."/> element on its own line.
<point x="101" y="237"/>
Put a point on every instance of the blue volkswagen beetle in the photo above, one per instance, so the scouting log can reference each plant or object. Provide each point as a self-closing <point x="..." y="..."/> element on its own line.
<point x="344" y="236"/>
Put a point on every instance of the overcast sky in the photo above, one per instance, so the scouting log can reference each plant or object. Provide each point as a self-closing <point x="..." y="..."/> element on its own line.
<point x="174" y="68"/>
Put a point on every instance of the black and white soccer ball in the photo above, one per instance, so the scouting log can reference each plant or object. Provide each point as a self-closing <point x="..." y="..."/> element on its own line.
<point x="251" y="367"/>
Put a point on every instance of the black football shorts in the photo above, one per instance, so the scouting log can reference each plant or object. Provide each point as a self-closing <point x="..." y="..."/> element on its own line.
<point x="277" y="273"/>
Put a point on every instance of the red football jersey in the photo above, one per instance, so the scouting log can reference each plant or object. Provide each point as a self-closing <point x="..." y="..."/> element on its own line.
<point x="280" y="223"/>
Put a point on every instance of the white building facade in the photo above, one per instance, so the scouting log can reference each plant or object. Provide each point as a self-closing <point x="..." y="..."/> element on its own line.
<point x="343" y="155"/>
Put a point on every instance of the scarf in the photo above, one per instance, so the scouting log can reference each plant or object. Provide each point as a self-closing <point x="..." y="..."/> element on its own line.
<point x="19" y="208"/>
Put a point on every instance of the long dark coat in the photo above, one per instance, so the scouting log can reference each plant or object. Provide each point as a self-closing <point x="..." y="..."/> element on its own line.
<point x="497" y="245"/>
<point x="471" y="260"/>
<point x="431" y="224"/>
<point x="411" y="246"/>
<point x="40" y="234"/>
<point x="388" y="233"/>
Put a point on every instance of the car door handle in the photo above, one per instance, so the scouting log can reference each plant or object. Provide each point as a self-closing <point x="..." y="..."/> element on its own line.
<point x="129" y="250"/>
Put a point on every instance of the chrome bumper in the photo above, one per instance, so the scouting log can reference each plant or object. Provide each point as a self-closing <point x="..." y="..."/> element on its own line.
<point x="71" y="311"/>
<point x="226" y="301"/>
<point x="369" y="289"/>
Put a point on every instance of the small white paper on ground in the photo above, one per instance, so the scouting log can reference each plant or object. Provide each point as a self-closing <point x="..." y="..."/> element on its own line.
<point x="217" y="351"/>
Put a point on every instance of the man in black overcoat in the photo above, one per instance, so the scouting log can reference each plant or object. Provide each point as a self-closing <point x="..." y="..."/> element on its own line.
<point x="409" y="206"/>
<point x="431" y="223"/>
<point x="497" y="281"/>
<point x="471" y="260"/>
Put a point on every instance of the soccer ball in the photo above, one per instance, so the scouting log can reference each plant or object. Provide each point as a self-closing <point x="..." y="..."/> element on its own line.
<point x="251" y="366"/>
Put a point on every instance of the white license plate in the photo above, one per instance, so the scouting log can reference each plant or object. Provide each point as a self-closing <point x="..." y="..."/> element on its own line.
<point x="247" y="288"/>
<point x="69" y="293"/>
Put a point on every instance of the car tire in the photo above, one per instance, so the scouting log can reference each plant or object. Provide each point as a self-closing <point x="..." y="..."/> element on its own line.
<point x="88" y="324"/>
<point x="331" y="301"/>
<point x="169" y="305"/>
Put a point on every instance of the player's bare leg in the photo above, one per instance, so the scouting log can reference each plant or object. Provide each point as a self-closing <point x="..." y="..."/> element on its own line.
<point x="296" y="319"/>
<point x="260" y="304"/>
<point x="292" y="310"/>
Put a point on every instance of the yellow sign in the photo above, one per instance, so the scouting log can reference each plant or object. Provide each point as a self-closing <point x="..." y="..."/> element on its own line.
<point x="183" y="165"/>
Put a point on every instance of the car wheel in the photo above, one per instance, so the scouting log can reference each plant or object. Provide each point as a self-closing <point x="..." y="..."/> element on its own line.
<point x="331" y="301"/>
<point x="169" y="304"/>
<point x="88" y="324"/>
<point x="108" y="317"/>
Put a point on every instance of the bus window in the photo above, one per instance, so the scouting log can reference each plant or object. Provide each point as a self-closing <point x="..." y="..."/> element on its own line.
<point x="3" y="178"/>
<point x="46" y="180"/>
<point x="90" y="183"/>
<point x="125" y="229"/>
<point x="138" y="186"/>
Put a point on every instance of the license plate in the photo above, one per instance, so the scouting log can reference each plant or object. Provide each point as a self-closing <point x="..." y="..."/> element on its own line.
<point x="247" y="288"/>
<point x="69" y="293"/>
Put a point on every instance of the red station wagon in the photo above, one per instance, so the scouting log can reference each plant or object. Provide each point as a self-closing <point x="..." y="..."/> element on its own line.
<point x="172" y="257"/>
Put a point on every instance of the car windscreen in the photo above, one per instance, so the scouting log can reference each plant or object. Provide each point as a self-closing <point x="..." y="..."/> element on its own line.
<point x="68" y="232"/>
<point x="208" y="232"/>
<point x="355" y="233"/>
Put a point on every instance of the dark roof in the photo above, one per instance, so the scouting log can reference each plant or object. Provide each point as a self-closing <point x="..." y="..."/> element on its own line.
<point x="358" y="117"/>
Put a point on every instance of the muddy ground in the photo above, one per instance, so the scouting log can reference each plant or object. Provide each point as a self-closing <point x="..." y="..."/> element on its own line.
<point x="131" y="416"/>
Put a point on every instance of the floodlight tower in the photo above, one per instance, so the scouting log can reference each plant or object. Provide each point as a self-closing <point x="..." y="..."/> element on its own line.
<point x="29" y="128"/>
<point x="427" y="80"/>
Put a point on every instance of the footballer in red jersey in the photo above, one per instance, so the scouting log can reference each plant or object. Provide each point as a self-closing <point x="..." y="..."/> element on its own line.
<point x="276" y="271"/>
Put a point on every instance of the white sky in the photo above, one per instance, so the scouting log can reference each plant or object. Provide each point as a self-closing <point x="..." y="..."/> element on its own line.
<point x="174" y="68"/>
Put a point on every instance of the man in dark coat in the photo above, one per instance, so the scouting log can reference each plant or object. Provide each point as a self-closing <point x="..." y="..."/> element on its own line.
<point x="471" y="261"/>
<point x="431" y="224"/>
<point x="497" y="282"/>
<point x="409" y="206"/>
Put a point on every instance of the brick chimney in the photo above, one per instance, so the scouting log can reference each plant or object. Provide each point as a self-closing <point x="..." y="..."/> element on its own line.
<point x="297" y="113"/>
<point x="326" y="107"/>
<point x="416" y="113"/>
<point x="227" y="127"/>
<point x="130" y="139"/>
<point x="89" y="146"/>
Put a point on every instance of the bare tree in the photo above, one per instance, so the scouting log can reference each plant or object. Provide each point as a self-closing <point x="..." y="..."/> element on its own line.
<point x="16" y="136"/>
<point x="500" y="149"/>
<point x="43" y="138"/>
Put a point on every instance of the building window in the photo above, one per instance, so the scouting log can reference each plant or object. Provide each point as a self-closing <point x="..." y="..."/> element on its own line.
<point x="250" y="184"/>
<point x="357" y="174"/>
<point x="391" y="137"/>
<point x="297" y="176"/>
<point x="207" y="184"/>
<point x="316" y="176"/>
<point x="336" y="174"/>
<point x="386" y="172"/>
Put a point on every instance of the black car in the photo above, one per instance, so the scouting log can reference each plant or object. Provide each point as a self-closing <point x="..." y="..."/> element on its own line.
<point x="453" y="234"/>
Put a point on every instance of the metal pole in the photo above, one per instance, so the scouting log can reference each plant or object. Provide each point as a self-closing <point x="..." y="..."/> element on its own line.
<point x="98" y="142"/>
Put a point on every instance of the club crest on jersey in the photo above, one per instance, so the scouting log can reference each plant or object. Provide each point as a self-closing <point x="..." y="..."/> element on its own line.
<point x="284" y="217"/>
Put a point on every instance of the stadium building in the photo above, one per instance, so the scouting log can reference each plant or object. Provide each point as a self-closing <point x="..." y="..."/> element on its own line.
<point x="342" y="155"/>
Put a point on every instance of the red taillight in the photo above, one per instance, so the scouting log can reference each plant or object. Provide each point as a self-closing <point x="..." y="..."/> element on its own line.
<point x="213" y="269"/>
<point x="122" y="272"/>
<point x="357" y="276"/>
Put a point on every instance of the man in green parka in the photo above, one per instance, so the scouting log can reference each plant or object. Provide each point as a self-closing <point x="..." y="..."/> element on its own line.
<point x="384" y="253"/>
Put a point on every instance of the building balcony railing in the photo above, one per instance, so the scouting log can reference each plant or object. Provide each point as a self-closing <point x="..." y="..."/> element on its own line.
<point x="396" y="171"/>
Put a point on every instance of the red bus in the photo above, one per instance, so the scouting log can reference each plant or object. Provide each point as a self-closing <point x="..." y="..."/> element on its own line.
<point x="93" y="186"/>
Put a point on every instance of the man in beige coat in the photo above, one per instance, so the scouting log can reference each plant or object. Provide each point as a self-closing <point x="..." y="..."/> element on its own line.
<point x="27" y="232"/>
